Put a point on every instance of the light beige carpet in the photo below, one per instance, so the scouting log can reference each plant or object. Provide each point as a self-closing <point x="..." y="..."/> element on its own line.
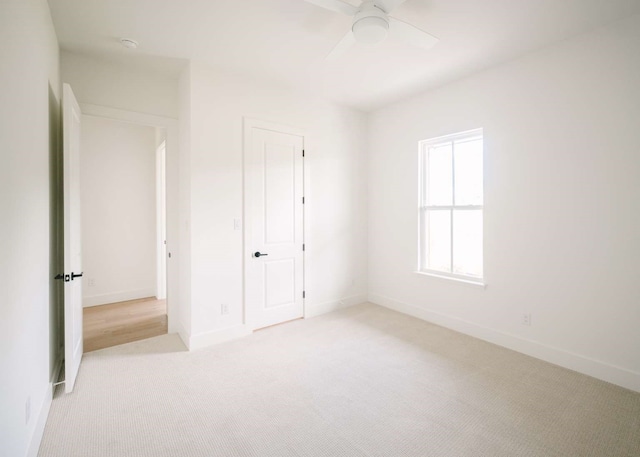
<point x="364" y="381"/>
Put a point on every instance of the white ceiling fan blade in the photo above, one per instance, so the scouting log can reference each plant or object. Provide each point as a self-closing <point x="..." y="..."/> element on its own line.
<point x="335" y="5"/>
<point x="347" y="42"/>
<point x="410" y="34"/>
<point x="389" y="5"/>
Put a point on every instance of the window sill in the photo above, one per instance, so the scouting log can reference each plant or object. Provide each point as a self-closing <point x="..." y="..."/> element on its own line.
<point x="468" y="282"/>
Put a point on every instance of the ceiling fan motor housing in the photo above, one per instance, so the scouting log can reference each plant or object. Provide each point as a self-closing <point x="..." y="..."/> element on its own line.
<point x="370" y="24"/>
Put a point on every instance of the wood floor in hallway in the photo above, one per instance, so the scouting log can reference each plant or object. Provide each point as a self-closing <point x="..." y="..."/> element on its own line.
<point x="124" y="322"/>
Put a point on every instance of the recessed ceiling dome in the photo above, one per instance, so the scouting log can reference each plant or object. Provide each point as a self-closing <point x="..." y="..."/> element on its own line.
<point x="129" y="43"/>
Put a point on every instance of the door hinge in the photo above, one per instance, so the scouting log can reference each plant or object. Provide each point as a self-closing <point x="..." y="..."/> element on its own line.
<point x="303" y="200"/>
<point x="303" y="294"/>
<point x="303" y="153"/>
<point x="303" y="246"/>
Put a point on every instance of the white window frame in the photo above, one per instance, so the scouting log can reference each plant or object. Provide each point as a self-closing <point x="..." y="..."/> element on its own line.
<point x="423" y="208"/>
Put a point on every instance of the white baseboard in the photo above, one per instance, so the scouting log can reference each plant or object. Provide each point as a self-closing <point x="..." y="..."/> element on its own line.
<point x="576" y="362"/>
<point x="38" y="432"/>
<point x="312" y="310"/>
<point x="217" y="336"/>
<point x="115" y="297"/>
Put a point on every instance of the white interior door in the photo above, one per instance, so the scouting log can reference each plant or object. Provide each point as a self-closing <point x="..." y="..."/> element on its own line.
<point x="274" y="231"/>
<point x="72" y="243"/>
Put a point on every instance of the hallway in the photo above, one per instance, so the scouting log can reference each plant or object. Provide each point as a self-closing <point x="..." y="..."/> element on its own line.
<point x="124" y="322"/>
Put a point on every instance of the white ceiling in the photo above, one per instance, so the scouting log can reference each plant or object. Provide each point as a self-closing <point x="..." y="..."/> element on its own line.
<point x="285" y="41"/>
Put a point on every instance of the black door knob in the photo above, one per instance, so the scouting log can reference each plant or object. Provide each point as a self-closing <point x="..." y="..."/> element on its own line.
<point x="258" y="254"/>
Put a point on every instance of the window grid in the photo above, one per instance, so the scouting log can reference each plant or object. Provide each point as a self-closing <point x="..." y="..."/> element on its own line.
<point x="425" y="208"/>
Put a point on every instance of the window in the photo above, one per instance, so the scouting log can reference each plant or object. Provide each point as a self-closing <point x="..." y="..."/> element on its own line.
<point x="451" y="199"/>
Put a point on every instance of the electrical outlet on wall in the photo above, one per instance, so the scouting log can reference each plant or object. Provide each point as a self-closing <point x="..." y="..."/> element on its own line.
<point x="224" y="309"/>
<point x="526" y="319"/>
<point x="92" y="282"/>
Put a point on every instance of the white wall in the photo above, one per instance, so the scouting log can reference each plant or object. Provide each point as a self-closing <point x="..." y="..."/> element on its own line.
<point x="562" y="229"/>
<point x="118" y="208"/>
<point x="28" y="150"/>
<point x="336" y="193"/>
<point x="131" y="88"/>
<point x="184" y="203"/>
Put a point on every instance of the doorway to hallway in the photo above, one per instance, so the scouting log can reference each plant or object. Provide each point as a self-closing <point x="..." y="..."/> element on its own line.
<point x="124" y="254"/>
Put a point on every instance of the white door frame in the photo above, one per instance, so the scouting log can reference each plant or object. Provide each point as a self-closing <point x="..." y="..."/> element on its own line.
<point x="249" y="124"/>
<point x="161" y="221"/>
<point x="172" y="196"/>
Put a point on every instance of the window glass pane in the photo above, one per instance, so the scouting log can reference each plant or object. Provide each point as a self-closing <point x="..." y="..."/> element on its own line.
<point x="439" y="240"/>
<point x="440" y="177"/>
<point x="467" y="242"/>
<point x="468" y="172"/>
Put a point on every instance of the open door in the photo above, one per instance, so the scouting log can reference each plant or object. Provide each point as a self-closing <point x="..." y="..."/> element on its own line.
<point x="71" y="116"/>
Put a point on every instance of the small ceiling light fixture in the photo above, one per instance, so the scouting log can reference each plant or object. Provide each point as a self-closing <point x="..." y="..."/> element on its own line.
<point x="370" y="24"/>
<point x="128" y="43"/>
